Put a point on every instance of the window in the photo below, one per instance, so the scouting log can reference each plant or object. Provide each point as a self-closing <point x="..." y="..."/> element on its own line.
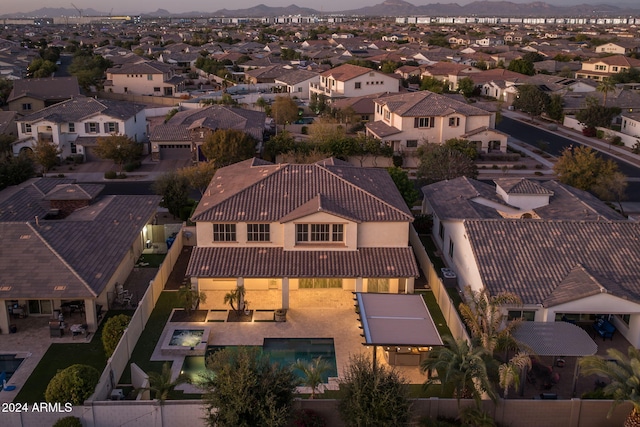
<point x="26" y="107"/>
<point x="156" y="89"/>
<point x="412" y="143"/>
<point x="73" y="148"/>
<point x="454" y="122"/>
<point x="91" y="127"/>
<point x="258" y="233"/>
<point x="26" y="128"/>
<point x="149" y="76"/>
<point x="358" y="85"/>
<point x="387" y="115"/>
<point x="320" y="233"/>
<point x="625" y="318"/>
<point x="450" y="248"/>
<point x="424" y="122"/>
<point x="224" y="232"/>
<point x="441" y="231"/>
<point x="111" y="127"/>
<point x="526" y="315"/>
<point x="317" y="283"/>
<point x="72" y="127"/>
<point x="378" y="285"/>
<point x="614" y="68"/>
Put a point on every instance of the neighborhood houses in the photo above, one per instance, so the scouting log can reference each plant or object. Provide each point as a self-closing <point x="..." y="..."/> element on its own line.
<point x="390" y="216"/>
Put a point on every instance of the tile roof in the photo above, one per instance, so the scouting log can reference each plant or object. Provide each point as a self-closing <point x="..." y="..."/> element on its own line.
<point x="425" y="103"/>
<point x="81" y="108"/>
<point x="347" y="72"/>
<point x="51" y="88"/>
<point x="453" y="199"/>
<point x="276" y="262"/>
<point x="381" y="130"/>
<point x="74" y="192"/>
<point x="533" y="258"/>
<point x="149" y="67"/>
<point x="521" y="186"/>
<point x="256" y="192"/>
<point x="296" y="76"/>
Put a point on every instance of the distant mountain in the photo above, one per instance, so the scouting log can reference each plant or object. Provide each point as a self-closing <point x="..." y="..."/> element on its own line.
<point x="386" y="8"/>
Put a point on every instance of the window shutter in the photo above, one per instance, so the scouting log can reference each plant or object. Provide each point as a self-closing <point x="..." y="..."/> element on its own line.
<point x="117" y="127"/>
<point x="416" y="122"/>
<point x="86" y="127"/>
<point x="106" y="128"/>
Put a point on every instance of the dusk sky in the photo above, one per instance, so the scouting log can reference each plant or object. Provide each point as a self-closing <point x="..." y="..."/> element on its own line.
<point x="128" y="6"/>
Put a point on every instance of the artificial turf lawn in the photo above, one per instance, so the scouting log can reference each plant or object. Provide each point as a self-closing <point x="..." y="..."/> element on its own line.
<point x="60" y="356"/>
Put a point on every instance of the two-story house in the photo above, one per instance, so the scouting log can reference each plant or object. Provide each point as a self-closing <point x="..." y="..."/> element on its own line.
<point x="349" y="80"/>
<point x="146" y="78"/>
<point x="302" y="235"/>
<point x="75" y="125"/>
<point x="407" y="120"/>
<point x="31" y="95"/>
<point x="565" y="253"/>
<point x="601" y="68"/>
<point x="621" y="47"/>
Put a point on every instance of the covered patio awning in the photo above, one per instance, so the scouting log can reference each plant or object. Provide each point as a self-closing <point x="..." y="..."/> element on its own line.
<point x="555" y="339"/>
<point x="396" y="320"/>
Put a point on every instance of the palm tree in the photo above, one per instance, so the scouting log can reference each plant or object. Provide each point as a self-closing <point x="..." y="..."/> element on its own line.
<point x="461" y="366"/>
<point x="623" y="372"/>
<point x="509" y="373"/>
<point x="234" y="297"/>
<point x="161" y="385"/>
<point x="189" y="298"/>
<point x="605" y="86"/>
<point x="484" y="316"/>
<point x="313" y="372"/>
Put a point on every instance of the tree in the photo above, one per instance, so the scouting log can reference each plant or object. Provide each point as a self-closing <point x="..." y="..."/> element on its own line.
<point x="461" y="369"/>
<point x="74" y="385"/>
<point x="581" y="167"/>
<point x="244" y="389"/>
<point x="6" y="86"/>
<point x="261" y="103"/>
<point x="605" y="86"/>
<point x="119" y="148"/>
<point x="174" y="189"/>
<point x="46" y="154"/>
<point x="611" y="188"/>
<point x="466" y="147"/>
<point x="531" y="100"/>
<point x="509" y="373"/>
<point x="284" y="110"/>
<point x="88" y="68"/>
<point x="596" y="115"/>
<point x="483" y="315"/>
<point x="226" y="146"/>
<point x="522" y="66"/>
<point x="189" y="298"/>
<point x="433" y="85"/>
<point x="279" y="144"/>
<point x="318" y="103"/>
<point x="466" y="86"/>
<point x="408" y="191"/>
<point x="313" y="372"/>
<point x="373" y="395"/>
<point x="437" y="163"/>
<point x="555" y="109"/>
<point x="623" y="372"/>
<point x="160" y="383"/>
<point x="199" y="175"/>
<point x="112" y="331"/>
<point x="69" y="421"/>
<point x="14" y="170"/>
<point x="40" y="68"/>
<point x="236" y="298"/>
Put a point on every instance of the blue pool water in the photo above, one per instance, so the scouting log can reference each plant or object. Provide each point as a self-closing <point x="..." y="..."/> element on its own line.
<point x="284" y="351"/>
<point x="9" y="363"/>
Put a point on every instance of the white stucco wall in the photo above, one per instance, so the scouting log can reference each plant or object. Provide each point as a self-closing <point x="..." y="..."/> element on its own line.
<point x="383" y="234"/>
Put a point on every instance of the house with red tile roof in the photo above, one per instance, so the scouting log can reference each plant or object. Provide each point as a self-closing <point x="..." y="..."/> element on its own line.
<point x="349" y="80"/>
<point x="602" y="68"/>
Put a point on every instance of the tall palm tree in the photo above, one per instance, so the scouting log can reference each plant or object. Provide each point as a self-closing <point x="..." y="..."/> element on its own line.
<point x="160" y="383"/>
<point x="483" y="314"/>
<point x="605" y="86"/>
<point x="623" y="371"/>
<point x="509" y="373"/>
<point x="462" y="367"/>
<point x="313" y="372"/>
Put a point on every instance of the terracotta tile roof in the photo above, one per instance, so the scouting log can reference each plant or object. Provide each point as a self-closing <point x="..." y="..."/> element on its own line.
<point x="532" y="258"/>
<point x="620" y="60"/>
<point x="425" y="103"/>
<point x="347" y="72"/>
<point x="276" y="262"/>
<point x="296" y="76"/>
<point x="149" y="67"/>
<point x="453" y="199"/>
<point x="82" y="108"/>
<point x="52" y="88"/>
<point x="381" y="130"/>
<point x="521" y="186"/>
<point x="248" y="191"/>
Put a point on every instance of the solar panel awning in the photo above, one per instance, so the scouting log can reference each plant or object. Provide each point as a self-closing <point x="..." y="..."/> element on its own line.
<point x="555" y="339"/>
<point x="396" y="320"/>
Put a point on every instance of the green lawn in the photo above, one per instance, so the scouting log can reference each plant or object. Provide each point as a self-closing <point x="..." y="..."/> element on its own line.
<point x="436" y="313"/>
<point x="154" y="260"/>
<point x="60" y="356"/>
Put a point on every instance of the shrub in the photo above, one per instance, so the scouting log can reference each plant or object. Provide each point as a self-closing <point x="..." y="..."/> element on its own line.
<point x="74" y="385"/>
<point x="589" y="131"/>
<point x="304" y="130"/>
<point x="617" y="140"/>
<point x="538" y="173"/>
<point x="131" y="166"/>
<point x="599" y="134"/>
<point x="397" y="160"/>
<point x="112" y="332"/>
<point x="538" y="166"/>
<point x="70" y="421"/>
<point x="494" y="167"/>
<point x="110" y="175"/>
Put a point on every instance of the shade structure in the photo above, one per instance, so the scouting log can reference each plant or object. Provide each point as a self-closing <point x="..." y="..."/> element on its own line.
<point x="555" y="339"/>
<point x="396" y="320"/>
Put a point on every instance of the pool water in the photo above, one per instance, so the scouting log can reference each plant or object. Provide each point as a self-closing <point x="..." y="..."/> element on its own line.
<point x="9" y="363"/>
<point x="186" y="337"/>
<point x="284" y="351"/>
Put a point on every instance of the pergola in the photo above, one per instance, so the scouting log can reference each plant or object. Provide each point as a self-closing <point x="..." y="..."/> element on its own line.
<point x="396" y="320"/>
<point x="556" y="339"/>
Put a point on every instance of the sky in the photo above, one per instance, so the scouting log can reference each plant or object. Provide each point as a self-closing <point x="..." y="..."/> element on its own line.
<point x="173" y="6"/>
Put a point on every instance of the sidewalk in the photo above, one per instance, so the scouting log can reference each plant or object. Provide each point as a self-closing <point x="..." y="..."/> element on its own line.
<point x="149" y="171"/>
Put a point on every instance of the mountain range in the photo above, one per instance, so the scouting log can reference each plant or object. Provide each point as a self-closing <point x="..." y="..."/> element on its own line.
<point x="386" y="8"/>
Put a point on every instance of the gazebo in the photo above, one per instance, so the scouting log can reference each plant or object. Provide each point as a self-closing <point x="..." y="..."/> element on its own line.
<point x="556" y="339"/>
<point x="399" y="322"/>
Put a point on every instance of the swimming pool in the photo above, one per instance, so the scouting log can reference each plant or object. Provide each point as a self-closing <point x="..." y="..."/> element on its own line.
<point x="186" y="337"/>
<point x="284" y="351"/>
<point x="9" y="363"/>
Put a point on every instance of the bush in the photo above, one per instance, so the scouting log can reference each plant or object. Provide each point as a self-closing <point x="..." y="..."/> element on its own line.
<point x="538" y="173"/>
<point x="617" y="140"/>
<point x="74" y="385"/>
<point x="110" y="175"/>
<point x="70" y="421"/>
<point x="599" y="134"/>
<point x="112" y="332"/>
<point x="304" y="130"/>
<point x="397" y="160"/>
<point x="589" y="131"/>
<point x="538" y="166"/>
<point x="307" y="418"/>
<point x="131" y="166"/>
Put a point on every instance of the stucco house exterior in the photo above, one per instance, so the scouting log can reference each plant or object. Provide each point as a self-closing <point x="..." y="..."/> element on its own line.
<point x="408" y="120"/>
<point x="31" y="95"/>
<point x="601" y="68"/>
<point x="296" y="82"/>
<point x="630" y="124"/>
<point x="297" y="235"/>
<point x="145" y="78"/>
<point x="349" y="80"/>
<point x="564" y="252"/>
<point x="62" y="242"/>
<point x="75" y="125"/>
